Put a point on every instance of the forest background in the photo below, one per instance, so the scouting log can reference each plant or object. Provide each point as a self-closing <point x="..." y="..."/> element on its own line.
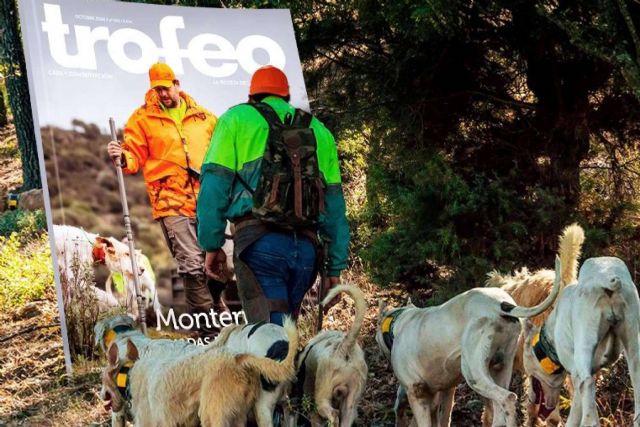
<point x="470" y="133"/>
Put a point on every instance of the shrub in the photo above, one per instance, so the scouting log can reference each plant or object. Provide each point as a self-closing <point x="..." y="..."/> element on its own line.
<point x="80" y="308"/>
<point x="25" y="270"/>
<point x="28" y="224"/>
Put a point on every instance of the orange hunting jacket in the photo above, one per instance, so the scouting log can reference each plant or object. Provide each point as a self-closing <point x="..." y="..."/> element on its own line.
<point x="154" y="143"/>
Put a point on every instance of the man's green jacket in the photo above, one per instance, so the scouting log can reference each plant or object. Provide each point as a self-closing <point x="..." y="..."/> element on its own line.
<point x="237" y="147"/>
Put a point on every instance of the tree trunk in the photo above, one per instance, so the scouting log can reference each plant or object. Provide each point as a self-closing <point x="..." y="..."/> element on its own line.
<point x="16" y="81"/>
<point x="3" y="111"/>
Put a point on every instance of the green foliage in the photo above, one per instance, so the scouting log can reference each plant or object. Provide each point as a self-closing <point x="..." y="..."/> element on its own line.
<point x="26" y="223"/>
<point x="25" y="270"/>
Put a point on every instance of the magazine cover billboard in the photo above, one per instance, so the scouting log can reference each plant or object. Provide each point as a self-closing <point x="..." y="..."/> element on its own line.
<point x="88" y="61"/>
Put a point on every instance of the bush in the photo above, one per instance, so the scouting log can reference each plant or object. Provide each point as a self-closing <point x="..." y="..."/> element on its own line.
<point x="25" y="270"/>
<point x="28" y="224"/>
<point x="80" y="308"/>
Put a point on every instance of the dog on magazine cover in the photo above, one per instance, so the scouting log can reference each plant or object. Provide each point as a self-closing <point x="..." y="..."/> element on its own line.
<point x="76" y="247"/>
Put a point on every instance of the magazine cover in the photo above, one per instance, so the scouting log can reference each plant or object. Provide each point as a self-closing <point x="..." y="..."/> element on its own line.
<point x="89" y="62"/>
<point x="435" y="224"/>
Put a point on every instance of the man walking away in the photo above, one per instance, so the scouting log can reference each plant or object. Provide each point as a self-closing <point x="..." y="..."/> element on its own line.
<point x="273" y="171"/>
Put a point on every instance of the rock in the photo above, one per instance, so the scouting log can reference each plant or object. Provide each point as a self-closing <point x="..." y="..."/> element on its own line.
<point x="31" y="200"/>
<point x="27" y="311"/>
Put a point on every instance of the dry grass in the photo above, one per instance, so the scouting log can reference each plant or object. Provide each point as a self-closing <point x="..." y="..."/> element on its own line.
<point x="35" y="390"/>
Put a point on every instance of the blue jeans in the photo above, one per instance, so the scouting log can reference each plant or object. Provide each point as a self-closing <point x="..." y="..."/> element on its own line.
<point x="283" y="264"/>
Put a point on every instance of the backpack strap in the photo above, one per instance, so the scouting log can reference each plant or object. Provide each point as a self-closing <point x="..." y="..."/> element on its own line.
<point x="302" y="119"/>
<point x="268" y="113"/>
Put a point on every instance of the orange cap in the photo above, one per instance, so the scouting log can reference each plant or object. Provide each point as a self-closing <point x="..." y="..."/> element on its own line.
<point x="269" y="79"/>
<point x="161" y="75"/>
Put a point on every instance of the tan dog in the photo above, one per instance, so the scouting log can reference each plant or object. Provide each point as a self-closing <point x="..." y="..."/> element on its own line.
<point x="164" y="388"/>
<point x="530" y="289"/>
<point x="266" y="340"/>
<point x="332" y="368"/>
<point x="472" y="336"/>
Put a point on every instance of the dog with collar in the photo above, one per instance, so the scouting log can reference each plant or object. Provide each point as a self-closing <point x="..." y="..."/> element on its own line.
<point x="114" y="334"/>
<point x="529" y="289"/>
<point x="593" y="321"/>
<point x="332" y="368"/>
<point x="265" y="340"/>
<point x="472" y="336"/>
<point x="207" y="384"/>
<point x="74" y="244"/>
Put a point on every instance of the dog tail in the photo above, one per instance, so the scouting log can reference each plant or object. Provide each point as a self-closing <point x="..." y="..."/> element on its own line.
<point x="361" y="308"/>
<point x="274" y="370"/>
<point x="569" y="251"/>
<point x="517" y="311"/>
<point x="495" y="279"/>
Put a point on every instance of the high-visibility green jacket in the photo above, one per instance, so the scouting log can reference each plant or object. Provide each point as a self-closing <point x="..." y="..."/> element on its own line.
<point x="237" y="147"/>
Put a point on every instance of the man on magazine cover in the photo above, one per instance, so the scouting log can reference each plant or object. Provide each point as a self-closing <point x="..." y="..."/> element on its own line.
<point x="272" y="170"/>
<point x="167" y="138"/>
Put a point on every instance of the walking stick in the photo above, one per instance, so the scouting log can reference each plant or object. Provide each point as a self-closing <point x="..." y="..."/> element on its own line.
<point x="323" y="277"/>
<point x="127" y="226"/>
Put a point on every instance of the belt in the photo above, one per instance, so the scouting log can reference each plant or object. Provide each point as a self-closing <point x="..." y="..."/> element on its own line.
<point x="250" y="220"/>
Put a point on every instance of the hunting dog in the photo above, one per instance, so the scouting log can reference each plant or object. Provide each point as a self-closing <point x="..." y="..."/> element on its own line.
<point x="332" y="368"/>
<point x="207" y="383"/>
<point x="266" y="340"/>
<point x="472" y="336"/>
<point x="592" y="322"/>
<point x="76" y="247"/>
<point x="529" y="289"/>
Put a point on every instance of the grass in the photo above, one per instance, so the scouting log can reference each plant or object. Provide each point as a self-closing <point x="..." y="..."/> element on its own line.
<point x="25" y="270"/>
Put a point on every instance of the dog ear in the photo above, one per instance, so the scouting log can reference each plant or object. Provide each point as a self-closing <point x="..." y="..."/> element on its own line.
<point x="112" y="355"/>
<point x="132" y="351"/>
<point x="104" y="241"/>
<point x="105" y="244"/>
<point x="382" y="307"/>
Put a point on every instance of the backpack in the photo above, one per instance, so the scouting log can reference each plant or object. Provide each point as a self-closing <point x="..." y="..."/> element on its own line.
<point x="290" y="192"/>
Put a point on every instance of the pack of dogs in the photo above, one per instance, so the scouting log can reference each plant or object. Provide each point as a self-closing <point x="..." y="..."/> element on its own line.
<point x="556" y="327"/>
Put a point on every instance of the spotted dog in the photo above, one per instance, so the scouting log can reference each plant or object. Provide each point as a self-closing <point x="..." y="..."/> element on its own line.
<point x="266" y="340"/>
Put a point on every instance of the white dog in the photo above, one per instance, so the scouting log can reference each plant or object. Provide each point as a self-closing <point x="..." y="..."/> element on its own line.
<point x="529" y="289"/>
<point x="73" y="243"/>
<point x="472" y="336"/>
<point x="165" y="384"/>
<point x="332" y="368"/>
<point x="592" y="322"/>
